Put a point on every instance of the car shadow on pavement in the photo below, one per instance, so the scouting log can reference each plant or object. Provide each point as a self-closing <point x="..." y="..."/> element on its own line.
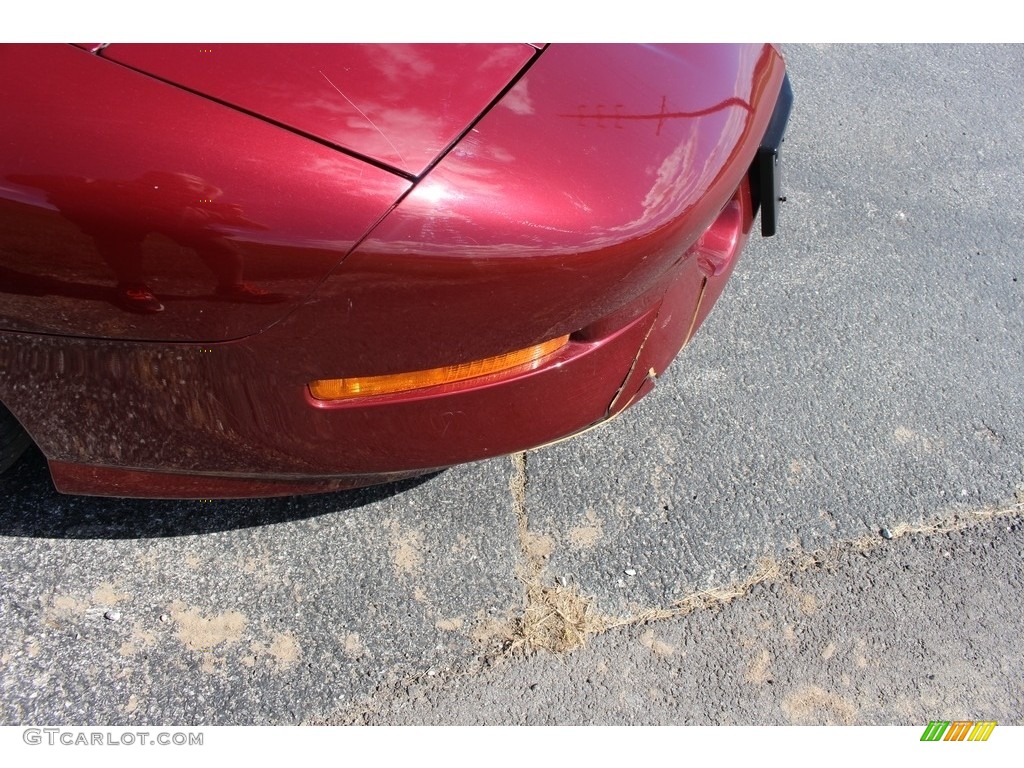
<point x="33" y="508"/>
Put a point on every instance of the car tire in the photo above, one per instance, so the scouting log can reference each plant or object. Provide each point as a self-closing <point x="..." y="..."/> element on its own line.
<point x="13" y="439"/>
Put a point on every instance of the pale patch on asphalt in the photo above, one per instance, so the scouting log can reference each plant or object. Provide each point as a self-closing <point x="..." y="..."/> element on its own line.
<point x="132" y="705"/>
<point x="860" y="658"/>
<point x="489" y="631"/>
<point x="200" y="632"/>
<point x="353" y="645"/>
<point x="282" y="653"/>
<point x="462" y="544"/>
<point x="812" y="705"/>
<point x="406" y="550"/>
<point x="260" y="569"/>
<point x="657" y="646"/>
<point x="537" y="546"/>
<point x="449" y="625"/>
<point x="63" y="607"/>
<point x="917" y="440"/>
<point x="60" y="608"/>
<point x="139" y="640"/>
<point x="808" y="603"/>
<point x="108" y="594"/>
<point x="285" y="649"/>
<point x="759" y="669"/>
<point x="587" y="536"/>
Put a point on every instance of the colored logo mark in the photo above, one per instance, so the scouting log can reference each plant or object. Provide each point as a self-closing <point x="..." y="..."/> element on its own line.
<point x="958" y="730"/>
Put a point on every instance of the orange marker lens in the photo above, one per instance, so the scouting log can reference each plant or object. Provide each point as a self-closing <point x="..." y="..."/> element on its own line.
<point x="368" y="386"/>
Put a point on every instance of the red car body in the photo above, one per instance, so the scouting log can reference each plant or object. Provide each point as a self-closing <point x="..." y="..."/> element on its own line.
<point x="293" y="216"/>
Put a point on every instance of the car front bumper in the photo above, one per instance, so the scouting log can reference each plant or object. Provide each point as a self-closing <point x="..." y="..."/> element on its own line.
<point x="627" y="274"/>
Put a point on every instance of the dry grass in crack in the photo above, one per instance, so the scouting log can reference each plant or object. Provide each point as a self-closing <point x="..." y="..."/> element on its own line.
<point x="767" y="570"/>
<point x="560" y="619"/>
<point x="770" y="570"/>
<point x="950" y="522"/>
<point x="556" y="619"/>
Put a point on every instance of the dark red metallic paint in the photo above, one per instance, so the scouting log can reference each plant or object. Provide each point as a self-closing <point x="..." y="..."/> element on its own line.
<point x="603" y="196"/>
<point x="401" y="105"/>
<point x="105" y="170"/>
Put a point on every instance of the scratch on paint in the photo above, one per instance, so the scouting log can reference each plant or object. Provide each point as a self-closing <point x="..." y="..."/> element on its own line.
<point x="367" y="119"/>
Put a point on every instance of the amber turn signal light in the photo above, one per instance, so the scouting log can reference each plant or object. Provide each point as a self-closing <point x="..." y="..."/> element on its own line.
<point x="368" y="386"/>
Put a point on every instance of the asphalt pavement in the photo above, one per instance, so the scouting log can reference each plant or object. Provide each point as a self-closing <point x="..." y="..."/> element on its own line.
<point x="814" y="517"/>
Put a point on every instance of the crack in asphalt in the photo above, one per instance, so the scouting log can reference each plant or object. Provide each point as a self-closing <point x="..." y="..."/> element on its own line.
<point x="555" y="618"/>
<point x="769" y="570"/>
<point x="558" y="618"/>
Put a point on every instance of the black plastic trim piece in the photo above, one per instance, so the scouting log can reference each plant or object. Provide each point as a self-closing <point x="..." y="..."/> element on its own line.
<point x="766" y="170"/>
